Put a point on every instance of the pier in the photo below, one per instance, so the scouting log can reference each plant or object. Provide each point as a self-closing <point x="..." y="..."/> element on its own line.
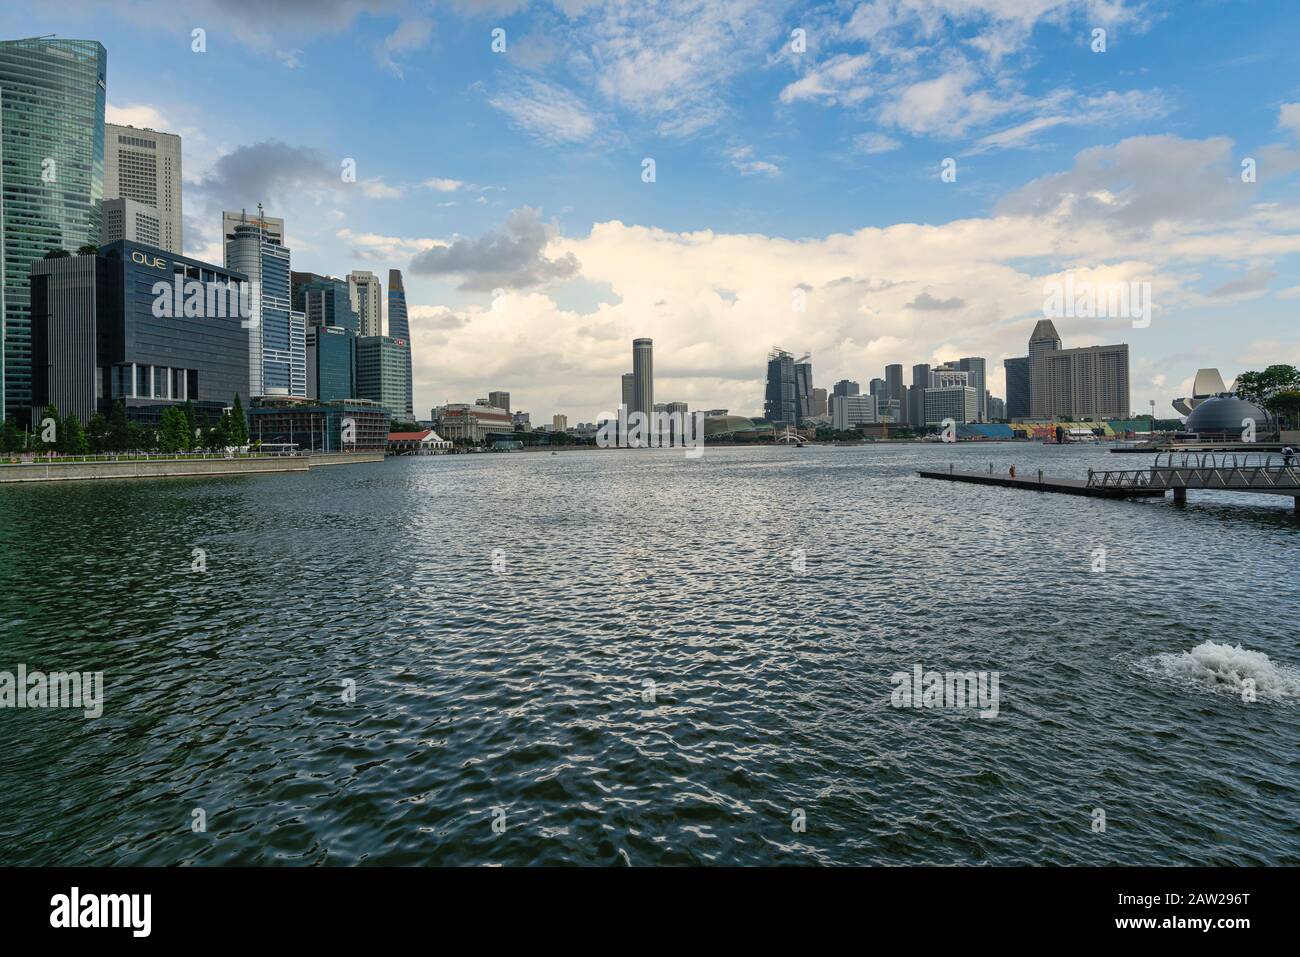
<point x="1263" y="473"/>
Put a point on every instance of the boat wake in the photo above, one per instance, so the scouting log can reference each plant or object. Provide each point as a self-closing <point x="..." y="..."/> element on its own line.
<point x="1225" y="669"/>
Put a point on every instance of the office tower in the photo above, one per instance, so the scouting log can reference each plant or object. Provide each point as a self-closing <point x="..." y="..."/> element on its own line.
<point x="1088" y="383"/>
<point x="904" y="405"/>
<point x="521" y="421"/>
<point x="51" y="180"/>
<point x="845" y="387"/>
<point x="1043" y="339"/>
<point x="331" y="363"/>
<point x="559" y="423"/>
<point x="916" y="394"/>
<point x="780" y="404"/>
<point x="323" y="301"/>
<point x="499" y="400"/>
<point x="382" y="371"/>
<point x="629" y="390"/>
<point x="132" y="221"/>
<point x="948" y="375"/>
<point x="643" y="387"/>
<point x="364" y="289"/>
<point x="975" y="369"/>
<point x="956" y="402"/>
<point x="848" y="411"/>
<point x="96" y="338"/>
<point x="277" y="349"/>
<point x="1017" y="371"/>
<point x="819" y="406"/>
<point x="877" y="388"/>
<point x="399" y="327"/>
<point x="803" y="390"/>
<point x="894" y="382"/>
<point x="997" y="409"/>
<point x="144" y="166"/>
<point x="273" y="226"/>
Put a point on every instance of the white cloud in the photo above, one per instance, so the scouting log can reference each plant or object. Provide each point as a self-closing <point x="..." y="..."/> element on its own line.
<point x="742" y="158"/>
<point x="139" y="115"/>
<point x="836" y="80"/>
<point x="546" y="111"/>
<point x="873" y="143"/>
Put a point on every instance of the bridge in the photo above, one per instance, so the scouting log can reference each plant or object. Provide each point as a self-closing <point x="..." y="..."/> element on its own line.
<point x="1267" y="473"/>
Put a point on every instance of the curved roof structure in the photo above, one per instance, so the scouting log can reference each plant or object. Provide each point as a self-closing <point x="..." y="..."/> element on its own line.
<point x="1208" y="382"/>
<point x="726" y="425"/>
<point x="1225" y="413"/>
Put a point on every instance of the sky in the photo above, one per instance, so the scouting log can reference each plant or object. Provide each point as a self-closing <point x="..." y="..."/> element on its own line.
<point x="874" y="182"/>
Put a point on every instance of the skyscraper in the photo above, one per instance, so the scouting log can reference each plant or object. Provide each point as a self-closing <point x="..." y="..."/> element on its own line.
<point x="845" y="387"/>
<point x="629" y="390"/>
<point x="916" y="394"/>
<point x="399" y="327"/>
<point x="364" y="288"/>
<point x="277" y="345"/>
<point x="976" y="369"/>
<point x="1087" y="383"/>
<point x="145" y="166"/>
<point x="1017" y="371"/>
<point x="877" y="388"/>
<point x="331" y="363"/>
<point x="51" y="179"/>
<point x="643" y="384"/>
<point x="499" y="400"/>
<point x="323" y="301"/>
<point x="381" y="371"/>
<point x="894" y="382"/>
<point x="803" y="390"/>
<point x="780" y="401"/>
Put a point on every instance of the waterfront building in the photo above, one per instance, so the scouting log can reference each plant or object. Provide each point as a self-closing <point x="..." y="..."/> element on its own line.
<point x="845" y="387"/>
<point x="520" y="421"/>
<point x="51" y="131"/>
<point x="629" y="390"/>
<point x="399" y="327"/>
<point x="1017" y="371"/>
<point x="975" y="368"/>
<point x="331" y="363"/>
<point x="364" y="290"/>
<point x="997" y="409"/>
<point x="559" y="422"/>
<point x="916" y="394"/>
<point x="819" y="406"/>
<point x="499" y="400"/>
<point x="948" y="375"/>
<point x="803" y="390"/>
<point x="344" y="425"/>
<point x="780" y="401"/>
<point x="850" y="411"/>
<point x="643" y="388"/>
<point x="475" y="423"/>
<point x="382" y="372"/>
<point x="144" y="166"/>
<point x="877" y="388"/>
<point x="1207" y="383"/>
<point x="133" y="221"/>
<point x="957" y="402"/>
<point x="894" y="381"/>
<point x="97" y="337"/>
<point x="277" y="353"/>
<point x="1089" y="383"/>
<point x="889" y="411"/>
<point x="324" y="301"/>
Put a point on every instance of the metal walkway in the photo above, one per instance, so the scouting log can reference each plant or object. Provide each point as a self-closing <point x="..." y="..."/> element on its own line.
<point x="1225" y="471"/>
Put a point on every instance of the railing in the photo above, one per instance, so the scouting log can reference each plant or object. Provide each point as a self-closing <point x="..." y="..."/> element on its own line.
<point x="1282" y="477"/>
<point x="38" y="458"/>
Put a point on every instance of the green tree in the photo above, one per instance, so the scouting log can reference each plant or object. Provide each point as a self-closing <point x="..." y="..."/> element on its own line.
<point x="72" y="437"/>
<point x="11" y="440"/>
<point x="173" y="434"/>
<point x="97" y="433"/>
<point x="1259" y="387"/>
<point x="191" y="424"/>
<point x="1286" y="406"/>
<point x="238" y="424"/>
<point x="55" y="253"/>
<point x="119" y="428"/>
<point x="89" y="249"/>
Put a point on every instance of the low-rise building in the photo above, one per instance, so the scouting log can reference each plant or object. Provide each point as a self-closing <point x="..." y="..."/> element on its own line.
<point x="473" y="423"/>
<point x="345" y="425"/>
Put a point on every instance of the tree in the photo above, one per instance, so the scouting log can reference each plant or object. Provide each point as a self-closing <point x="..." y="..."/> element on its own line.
<point x="45" y="437"/>
<point x="97" y="433"/>
<point x="191" y="424"/>
<point x="11" y="440"/>
<point x="55" y="253"/>
<point x="72" y="437"/>
<point x="173" y="435"/>
<point x="89" y="249"/>
<point x="238" y="424"/>
<point x="1285" y="405"/>
<point x="1259" y="387"/>
<point x="119" y="429"/>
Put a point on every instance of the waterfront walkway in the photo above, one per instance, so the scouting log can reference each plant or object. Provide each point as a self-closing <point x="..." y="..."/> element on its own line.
<point x="1040" y="482"/>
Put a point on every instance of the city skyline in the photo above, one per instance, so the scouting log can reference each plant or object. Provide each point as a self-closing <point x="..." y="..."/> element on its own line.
<point x="539" y="194"/>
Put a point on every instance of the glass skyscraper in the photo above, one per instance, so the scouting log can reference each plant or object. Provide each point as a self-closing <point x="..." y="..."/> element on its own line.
<point x="277" y="358"/>
<point x="399" y="327"/>
<point x="51" y="179"/>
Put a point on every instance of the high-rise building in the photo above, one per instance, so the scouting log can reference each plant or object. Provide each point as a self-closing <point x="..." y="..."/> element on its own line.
<point x="145" y="166"/>
<point x="894" y="382"/>
<point x="956" y="402"/>
<point x="629" y="390"/>
<point x="916" y="395"/>
<point x="643" y="384"/>
<point x="559" y="422"/>
<point x="1018" y="380"/>
<point x="364" y="289"/>
<point x="975" y="369"/>
<point x="132" y="221"/>
<point x="948" y="375"/>
<point x="499" y="400"/>
<point x="331" y="363"/>
<point x="1087" y="383"/>
<point x="277" y="351"/>
<point x="997" y="409"/>
<point x="780" y="400"/>
<point x="848" y="411"/>
<point x="1043" y="339"/>
<point x="323" y="301"/>
<point x="382" y="372"/>
<point x="845" y="387"/>
<point x="97" y="337"/>
<point x="399" y="327"/>
<point x="877" y="388"/>
<point x="51" y="180"/>
<point x="819" y="406"/>
<point x="803" y="389"/>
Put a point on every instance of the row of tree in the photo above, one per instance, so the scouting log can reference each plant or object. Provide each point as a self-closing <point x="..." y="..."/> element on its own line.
<point x="1276" y="389"/>
<point x="179" y="431"/>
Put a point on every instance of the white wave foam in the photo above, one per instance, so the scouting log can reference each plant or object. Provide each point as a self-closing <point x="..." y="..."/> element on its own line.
<point x="1225" y="668"/>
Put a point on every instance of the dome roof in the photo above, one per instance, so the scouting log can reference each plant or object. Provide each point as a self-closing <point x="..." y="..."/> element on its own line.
<point x="1225" y="413"/>
<point x="726" y="424"/>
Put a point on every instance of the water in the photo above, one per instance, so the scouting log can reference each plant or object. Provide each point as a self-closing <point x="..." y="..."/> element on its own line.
<point x="524" y="688"/>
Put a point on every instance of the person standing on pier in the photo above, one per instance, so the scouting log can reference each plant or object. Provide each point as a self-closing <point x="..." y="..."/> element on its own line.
<point x="1288" y="456"/>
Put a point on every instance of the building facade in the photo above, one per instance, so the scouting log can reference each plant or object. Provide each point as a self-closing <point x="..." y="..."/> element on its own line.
<point x="364" y="290"/>
<point x="100" y="338"/>
<point x="346" y="425"/>
<point x="144" y="166"/>
<point x="957" y="402"/>
<point x="499" y="400"/>
<point x="850" y="411"/>
<point x="643" y="376"/>
<point x="331" y="363"/>
<point x="132" y="221"/>
<point x="780" y="398"/>
<point x="1017" y="372"/>
<point x="473" y="423"/>
<point x="51" y="134"/>
<point x="323" y="301"/>
<point x="277" y="353"/>
<point x="975" y="369"/>
<point x="399" y="327"/>
<point x="382" y="374"/>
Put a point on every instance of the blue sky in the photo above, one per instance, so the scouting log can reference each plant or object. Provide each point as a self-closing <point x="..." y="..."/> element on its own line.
<point x="508" y="186"/>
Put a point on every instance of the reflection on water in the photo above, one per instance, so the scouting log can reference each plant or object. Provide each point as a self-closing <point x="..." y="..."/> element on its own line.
<point x="631" y="657"/>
